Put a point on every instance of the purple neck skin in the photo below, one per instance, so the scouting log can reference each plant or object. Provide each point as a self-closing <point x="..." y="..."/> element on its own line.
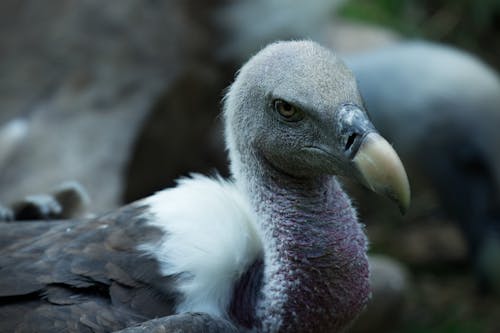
<point x="315" y="265"/>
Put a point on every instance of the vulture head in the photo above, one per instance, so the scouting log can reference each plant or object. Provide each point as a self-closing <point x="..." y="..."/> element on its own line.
<point x="295" y="106"/>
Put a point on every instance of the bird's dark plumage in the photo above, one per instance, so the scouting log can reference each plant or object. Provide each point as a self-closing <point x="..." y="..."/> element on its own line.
<point x="85" y="275"/>
<point x="190" y="323"/>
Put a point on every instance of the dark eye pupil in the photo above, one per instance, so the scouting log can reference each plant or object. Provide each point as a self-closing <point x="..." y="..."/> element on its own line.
<point x="287" y="111"/>
<point x="284" y="108"/>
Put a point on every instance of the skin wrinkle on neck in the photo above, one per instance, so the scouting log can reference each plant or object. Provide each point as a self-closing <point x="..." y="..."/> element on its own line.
<point x="315" y="265"/>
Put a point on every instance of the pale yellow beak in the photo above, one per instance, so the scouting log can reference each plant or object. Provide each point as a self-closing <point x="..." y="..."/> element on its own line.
<point x="382" y="171"/>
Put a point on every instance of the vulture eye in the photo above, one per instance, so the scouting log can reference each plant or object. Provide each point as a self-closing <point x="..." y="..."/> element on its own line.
<point x="287" y="111"/>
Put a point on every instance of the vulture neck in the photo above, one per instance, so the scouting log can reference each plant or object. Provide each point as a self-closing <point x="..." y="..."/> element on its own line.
<point x="315" y="275"/>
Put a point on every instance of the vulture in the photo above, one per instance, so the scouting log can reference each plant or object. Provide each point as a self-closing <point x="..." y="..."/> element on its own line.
<point x="277" y="247"/>
<point x="441" y="109"/>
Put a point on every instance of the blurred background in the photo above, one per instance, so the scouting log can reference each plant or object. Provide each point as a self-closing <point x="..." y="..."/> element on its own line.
<point x="124" y="97"/>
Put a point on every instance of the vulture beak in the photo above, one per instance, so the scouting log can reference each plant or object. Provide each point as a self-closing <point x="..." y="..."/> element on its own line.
<point x="376" y="164"/>
<point x="381" y="170"/>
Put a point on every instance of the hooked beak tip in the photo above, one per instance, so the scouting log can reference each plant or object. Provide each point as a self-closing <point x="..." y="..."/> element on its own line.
<point x="381" y="170"/>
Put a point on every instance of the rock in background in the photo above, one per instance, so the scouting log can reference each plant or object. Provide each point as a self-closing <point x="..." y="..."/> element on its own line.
<point x="77" y="81"/>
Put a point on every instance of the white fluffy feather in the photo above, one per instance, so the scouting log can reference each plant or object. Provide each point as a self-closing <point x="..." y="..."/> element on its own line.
<point x="210" y="240"/>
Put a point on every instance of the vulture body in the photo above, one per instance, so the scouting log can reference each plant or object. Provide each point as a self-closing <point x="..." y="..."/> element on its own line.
<point x="277" y="248"/>
<point x="441" y="109"/>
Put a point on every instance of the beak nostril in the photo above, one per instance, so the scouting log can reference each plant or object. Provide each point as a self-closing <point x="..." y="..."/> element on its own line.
<point x="350" y="141"/>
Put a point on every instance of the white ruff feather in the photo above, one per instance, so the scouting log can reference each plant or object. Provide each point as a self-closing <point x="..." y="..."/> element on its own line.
<point x="210" y="240"/>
